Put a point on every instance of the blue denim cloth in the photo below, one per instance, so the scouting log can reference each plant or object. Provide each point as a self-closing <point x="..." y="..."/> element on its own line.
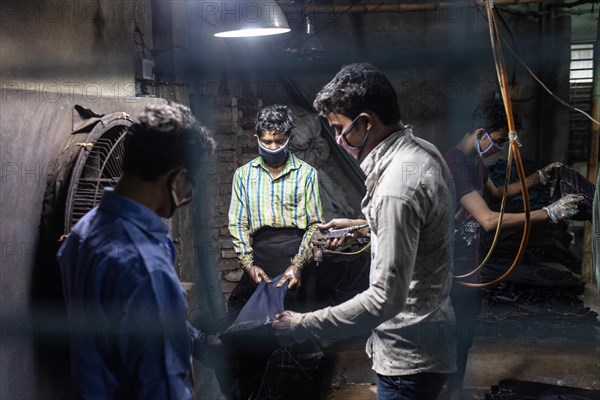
<point x="267" y="370"/>
<point x="572" y="182"/>
<point x="423" y="386"/>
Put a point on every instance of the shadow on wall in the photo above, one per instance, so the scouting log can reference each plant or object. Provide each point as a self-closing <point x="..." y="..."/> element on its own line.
<point x="73" y="187"/>
<point x="38" y="153"/>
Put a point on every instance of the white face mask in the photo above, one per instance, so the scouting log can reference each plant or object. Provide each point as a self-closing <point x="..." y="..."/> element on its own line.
<point x="488" y="150"/>
<point x="180" y="203"/>
<point x="177" y="202"/>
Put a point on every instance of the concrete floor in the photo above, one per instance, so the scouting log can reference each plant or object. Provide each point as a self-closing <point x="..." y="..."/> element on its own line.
<point x="556" y="361"/>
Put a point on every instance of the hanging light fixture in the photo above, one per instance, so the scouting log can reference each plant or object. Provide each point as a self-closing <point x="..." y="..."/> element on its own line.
<point x="251" y="18"/>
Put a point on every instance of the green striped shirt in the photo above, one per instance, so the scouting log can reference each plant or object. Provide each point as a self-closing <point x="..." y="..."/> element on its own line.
<point x="289" y="200"/>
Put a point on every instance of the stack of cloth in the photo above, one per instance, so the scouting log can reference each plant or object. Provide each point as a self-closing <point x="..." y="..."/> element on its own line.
<point x="538" y="300"/>
<point x="523" y="390"/>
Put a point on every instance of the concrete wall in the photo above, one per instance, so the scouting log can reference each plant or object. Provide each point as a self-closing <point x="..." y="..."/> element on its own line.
<point x="54" y="55"/>
<point x="36" y="142"/>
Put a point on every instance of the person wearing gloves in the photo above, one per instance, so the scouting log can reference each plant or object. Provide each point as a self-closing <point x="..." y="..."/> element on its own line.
<point x="473" y="187"/>
<point x="274" y="209"/>
<point x="407" y="205"/>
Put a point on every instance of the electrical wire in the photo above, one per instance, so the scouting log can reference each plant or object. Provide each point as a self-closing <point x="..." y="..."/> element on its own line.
<point x="340" y="15"/>
<point x="558" y="99"/>
<point x="554" y="96"/>
<point x="514" y="148"/>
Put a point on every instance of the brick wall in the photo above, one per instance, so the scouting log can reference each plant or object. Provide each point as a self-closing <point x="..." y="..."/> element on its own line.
<point x="234" y="133"/>
<point x="235" y="146"/>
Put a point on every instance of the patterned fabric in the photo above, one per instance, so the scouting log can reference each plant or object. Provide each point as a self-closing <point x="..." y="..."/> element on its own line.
<point x="259" y="200"/>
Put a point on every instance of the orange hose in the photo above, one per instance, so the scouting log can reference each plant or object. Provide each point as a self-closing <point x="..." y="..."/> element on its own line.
<point x="514" y="148"/>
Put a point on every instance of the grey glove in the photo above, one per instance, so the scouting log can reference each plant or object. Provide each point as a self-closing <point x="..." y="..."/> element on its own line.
<point x="549" y="172"/>
<point x="563" y="208"/>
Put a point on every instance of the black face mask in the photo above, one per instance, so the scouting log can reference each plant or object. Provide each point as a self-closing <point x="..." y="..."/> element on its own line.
<point x="273" y="157"/>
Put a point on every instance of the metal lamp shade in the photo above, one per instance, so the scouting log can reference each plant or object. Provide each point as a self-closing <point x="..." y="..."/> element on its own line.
<point x="251" y="18"/>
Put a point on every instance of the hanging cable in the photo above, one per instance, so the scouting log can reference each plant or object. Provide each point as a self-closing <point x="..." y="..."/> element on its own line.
<point x="538" y="80"/>
<point x="513" y="148"/>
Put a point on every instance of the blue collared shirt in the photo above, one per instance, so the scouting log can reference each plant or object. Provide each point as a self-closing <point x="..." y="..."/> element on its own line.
<point x="125" y="304"/>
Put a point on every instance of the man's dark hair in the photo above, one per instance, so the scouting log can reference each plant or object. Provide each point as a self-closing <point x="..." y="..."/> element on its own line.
<point x="275" y="118"/>
<point x="166" y="136"/>
<point x="491" y="116"/>
<point x="357" y="88"/>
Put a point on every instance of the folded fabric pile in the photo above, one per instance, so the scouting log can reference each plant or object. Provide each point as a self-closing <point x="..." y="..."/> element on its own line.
<point x="538" y="300"/>
<point x="523" y="390"/>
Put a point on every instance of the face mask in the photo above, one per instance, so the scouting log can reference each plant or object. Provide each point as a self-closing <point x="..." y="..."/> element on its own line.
<point x="493" y="145"/>
<point x="180" y="203"/>
<point x="341" y="140"/>
<point x="273" y="157"/>
<point x="353" y="151"/>
<point x="177" y="203"/>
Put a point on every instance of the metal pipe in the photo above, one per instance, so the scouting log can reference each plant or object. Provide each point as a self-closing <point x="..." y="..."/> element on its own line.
<point x="587" y="272"/>
<point x="338" y="8"/>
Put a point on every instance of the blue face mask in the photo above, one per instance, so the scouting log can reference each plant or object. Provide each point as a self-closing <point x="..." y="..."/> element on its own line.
<point x="273" y="157"/>
<point x="493" y="145"/>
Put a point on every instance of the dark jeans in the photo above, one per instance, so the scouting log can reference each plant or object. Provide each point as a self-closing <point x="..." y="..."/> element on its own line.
<point x="423" y="386"/>
<point x="467" y="306"/>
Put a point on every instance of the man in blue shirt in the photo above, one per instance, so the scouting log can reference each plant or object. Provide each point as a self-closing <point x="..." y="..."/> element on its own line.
<point x="130" y="338"/>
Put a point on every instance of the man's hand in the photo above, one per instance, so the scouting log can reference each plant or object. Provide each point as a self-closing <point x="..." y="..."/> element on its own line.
<point x="204" y="347"/>
<point x="284" y="325"/>
<point x="292" y="274"/>
<point x="563" y="208"/>
<point x="257" y="274"/>
<point x="549" y="172"/>
<point x="338" y="223"/>
<point x="347" y="239"/>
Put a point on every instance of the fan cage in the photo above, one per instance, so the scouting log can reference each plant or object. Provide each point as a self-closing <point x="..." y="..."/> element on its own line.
<point x="101" y="168"/>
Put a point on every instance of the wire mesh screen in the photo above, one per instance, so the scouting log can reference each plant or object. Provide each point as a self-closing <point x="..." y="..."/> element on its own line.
<point x="96" y="168"/>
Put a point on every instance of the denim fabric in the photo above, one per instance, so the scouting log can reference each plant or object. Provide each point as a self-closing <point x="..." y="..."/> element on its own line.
<point x="423" y="386"/>
<point x="252" y="327"/>
<point x="266" y="370"/>
<point x="259" y="368"/>
<point x="273" y="251"/>
<point x="467" y="305"/>
<point x="572" y="182"/>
